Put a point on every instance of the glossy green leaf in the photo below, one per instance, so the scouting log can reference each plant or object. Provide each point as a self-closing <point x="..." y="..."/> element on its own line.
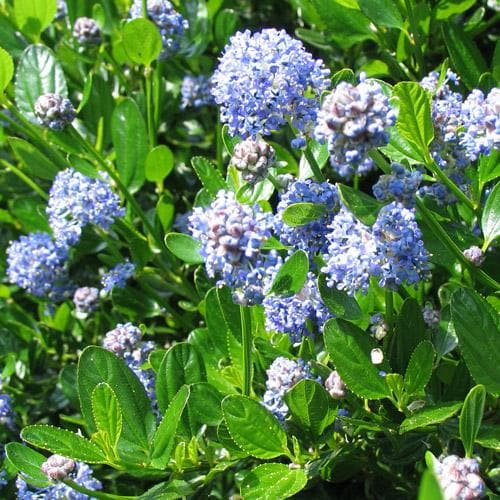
<point x="429" y="487"/>
<point x="184" y="247"/>
<point x="159" y="163"/>
<point x="430" y="416"/>
<point x="414" y="122"/>
<point x="130" y="139"/>
<point x="490" y="221"/>
<point x="272" y="480"/>
<point x="142" y="41"/>
<point x="471" y="417"/>
<point x="447" y="8"/>
<point x="311" y="406"/>
<point x="489" y="437"/>
<point x="34" y="162"/>
<point x="204" y="406"/>
<point x="477" y="327"/>
<point x="208" y="174"/>
<point x="63" y="442"/>
<point x="97" y="365"/>
<point x="342" y="305"/>
<point x="26" y="461"/>
<point x="38" y="73"/>
<point x="33" y="16"/>
<point x="419" y="369"/>
<point x="181" y="365"/>
<point x="6" y="69"/>
<point x="253" y="428"/>
<point x="225" y="25"/>
<point x="344" y="75"/>
<point x="364" y="207"/>
<point x="466" y="58"/>
<point x="292" y="275"/>
<point x="163" y="440"/>
<point x="107" y="413"/>
<point x="299" y="214"/>
<point x="382" y="12"/>
<point x="349" y="348"/>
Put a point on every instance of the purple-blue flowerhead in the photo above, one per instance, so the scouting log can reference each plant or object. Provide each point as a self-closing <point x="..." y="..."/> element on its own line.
<point x="401" y="185"/>
<point x="54" y="111"/>
<point x="118" y="276"/>
<point x="265" y="79"/>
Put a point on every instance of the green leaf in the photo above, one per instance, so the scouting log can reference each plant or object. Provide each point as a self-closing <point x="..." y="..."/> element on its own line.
<point x="181" y="365"/>
<point x="489" y="168"/>
<point x="272" y="480"/>
<point x="300" y="214"/>
<point x="471" y="416"/>
<point x="35" y="163"/>
<point x="141" y="41"/>
<point x="204" y="406"/>
<point x="33" y="16"/>
<point x="311" y="406"/>
<point x="253" y="428"/>
<point x="344" y="75"/>
<point x="419" y="369"/>
<point x="477" y="328"/>
<point x="489" y="437"/>
<point x="97" y="365"/>
<point x="349" y="348"/>
<point x="38" y="73"/>
<point x="382" y="12"/>
<point x="26" y="461"/>
<point x="292" y="275"/>
<point x="184" y="247"/>
<point x="163" y="440"/>
<point x="208" y="174"/>
<point x="63" y="442"/>
<point x="447" y="8"/>
<point x="466" y="58"/>
<point x="6" y="69"/>
<point x="225" y="25"/>
<point x="429" y="487"/>
<point x="159" y="163"/>
<point x="430" y="416"/>
<point x="414" y="122"/>
<point x="365" y="208"/>
<point x="490" y="221"/>
<point x="107" y="413"/>
<point x="339" y="303"/>
<point x="130" y="139"/>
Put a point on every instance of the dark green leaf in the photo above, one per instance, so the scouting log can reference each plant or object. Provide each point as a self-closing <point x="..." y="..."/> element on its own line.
<point x="208" y="174"/>
<point x="159" y="163"/>
<point x="225" y="25"/>
<point x="26" y="461"/>
<point x="490" y="221"/>
<point x="299" y="214"/>
<point x="430" y="416"/>
<point x="107" y="413"/>
<point x="253" y="428"/>
<point x="447" y="8"/>
<point x="364" y="207"/>
<point x="344" y="75"/>
<point x="471" y="416"/>
<point x="130" y="140"/>
<point x="429" y="487"/>
<point x="419" y="368"/>
<point x="6" y="69"/>
<point x="184" y="247"/>
<point x="35" y="163"/>
<point x="489" y="437"/>
<point x="476" y="326"/>
<point x="272" y="481"/>
<point x="349" y="348"/>
<point x="382" y="12"/>
<point x="204" y="405"/>
<point x="63" y="442"/>
<point x="339" y="303"/>
<point x="292" y="275"/>
<point x="141" y="41"/>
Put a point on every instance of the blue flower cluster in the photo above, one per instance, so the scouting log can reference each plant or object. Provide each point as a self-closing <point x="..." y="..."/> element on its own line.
<point x="170" y="23"/>
<point x="118" y="276"/>
<point x="401" y="185"/>
<point x="266" y="79"/>
<point x="82" y="475"/>
<point x="392" y="250"/>
<point x="352" y="121"/>
<point x="38" y="264"/>
<point x="231" y="237"/>
<point x="299" y="315"/>
<point x="125" y="341"/>
<point x="87" y="31"/>
<point x="7" y="412"/>
<point x="62" y="10"/>
<point x="76" y="200"/>
<point x="282" y="375"/>
<point x="54" y="111"/>
<point x="196" y="91"/>
<point x="310" y="237"/>
<point x="85" y="300"/>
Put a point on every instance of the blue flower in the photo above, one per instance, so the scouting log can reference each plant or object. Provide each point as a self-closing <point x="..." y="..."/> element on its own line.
<point x="62" y="10"/>
<point x="352" y="121"/>
<point x="7" y="412"/>
<point x="54" y="111"/>
<point x="170" y="23"/>
<point x="38" y="264"/>
<point x="85" y="300"/>
<point x="118" y="276"/>
<point x="196" y="92"/>
<point x="266" y="79"/>
<point x="310" y="237"/>
<point x="401" y="185"/>
<point x="282" y="375"/>
<point x="76" y="200"/>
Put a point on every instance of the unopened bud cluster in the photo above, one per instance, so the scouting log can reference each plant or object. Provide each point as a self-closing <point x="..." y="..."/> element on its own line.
<point x="57" y="467"/>
<point x="54" y="111"/>
<point x="253" y="158"/>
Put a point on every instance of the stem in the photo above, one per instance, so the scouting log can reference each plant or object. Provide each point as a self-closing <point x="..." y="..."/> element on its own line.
<point x="389" y="309"/>
<point x="416" y="42"/>
<point x="95" y="494"/>
<point x="246" y="341"/>
<point x="145" y="8"/>
<point x="313" y="164"/>
<point x="149" y="106"/>
<point x="25" y="179"/>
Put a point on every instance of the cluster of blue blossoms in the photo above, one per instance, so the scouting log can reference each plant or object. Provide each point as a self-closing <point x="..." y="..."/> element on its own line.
<point x="400" y="186"/>
<point x="170" y="23"/>
<point x="196" y="91"/>
<point x="265" y="80"/>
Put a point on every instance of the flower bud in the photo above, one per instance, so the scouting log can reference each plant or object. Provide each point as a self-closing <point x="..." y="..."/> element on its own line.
<point x="335" y="385"/>
<point x="57" y="467"/>
<point x="54" y="111"/>
<point x="86" y="31"/>
<point x="253" y="158"/>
